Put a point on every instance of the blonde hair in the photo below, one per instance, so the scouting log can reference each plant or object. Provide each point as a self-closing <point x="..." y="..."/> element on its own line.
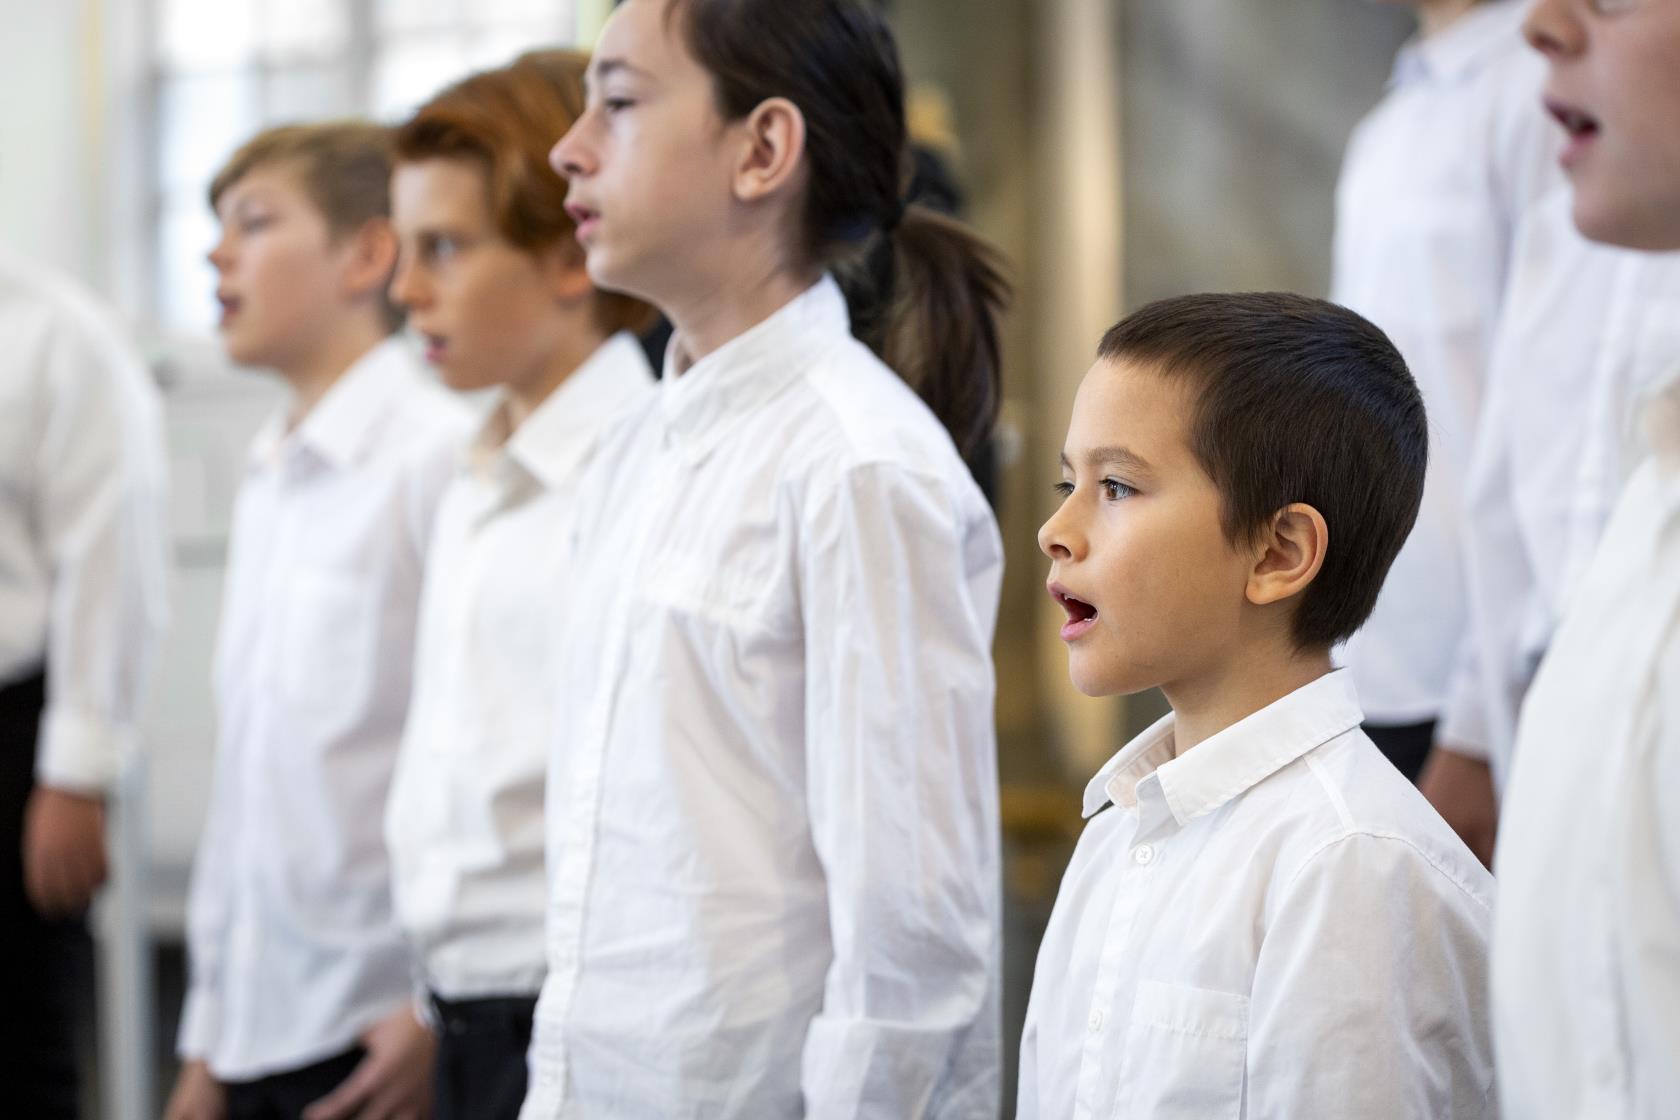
<point x="343" y="166"/>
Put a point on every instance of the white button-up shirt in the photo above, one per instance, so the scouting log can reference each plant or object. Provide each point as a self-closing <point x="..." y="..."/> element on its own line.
<point x="1587" y="330"/>
<point x="465" y="822"/>
<point x="1273" y="924"/>
<point x="294" y="948"/>
<point x="1434" y="186"/>
<point x="1587" y="941"/>
<point x="773" y="804"/>
<point x="83" y="523"/>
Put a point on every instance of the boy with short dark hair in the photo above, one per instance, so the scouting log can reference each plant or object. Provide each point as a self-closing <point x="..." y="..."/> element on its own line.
<point x="1263" y="918"/>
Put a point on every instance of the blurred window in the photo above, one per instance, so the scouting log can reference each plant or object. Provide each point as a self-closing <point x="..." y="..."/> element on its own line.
<point x="222" y="69"/>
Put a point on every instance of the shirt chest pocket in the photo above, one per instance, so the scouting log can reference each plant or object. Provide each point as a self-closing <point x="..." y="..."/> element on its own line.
<point x="1185" y="1054"/>
<point x="328" y="640"/>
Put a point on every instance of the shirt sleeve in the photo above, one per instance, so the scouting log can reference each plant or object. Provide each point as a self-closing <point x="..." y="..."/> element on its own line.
<point x="899" y="600"/>
<point x="101" y="506"/>
<point x="1370" y="994"/>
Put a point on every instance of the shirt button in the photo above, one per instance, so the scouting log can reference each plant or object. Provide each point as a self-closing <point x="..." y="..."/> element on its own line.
<point x="1143" y="855"/>
<point x="1095" y="1021"/>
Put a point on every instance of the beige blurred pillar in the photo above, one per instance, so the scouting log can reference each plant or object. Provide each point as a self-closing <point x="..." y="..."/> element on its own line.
<point x="1076" y="275"/>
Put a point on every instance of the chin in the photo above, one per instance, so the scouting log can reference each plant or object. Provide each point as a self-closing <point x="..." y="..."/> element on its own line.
<point x="1624" y="223"/>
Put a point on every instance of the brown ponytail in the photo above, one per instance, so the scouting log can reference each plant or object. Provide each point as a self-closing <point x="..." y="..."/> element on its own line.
<point x="932" y="312"/>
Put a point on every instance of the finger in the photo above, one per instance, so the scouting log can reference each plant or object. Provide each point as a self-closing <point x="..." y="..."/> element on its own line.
<point x="356" y="1091"/>
<point x="49" y="901"/>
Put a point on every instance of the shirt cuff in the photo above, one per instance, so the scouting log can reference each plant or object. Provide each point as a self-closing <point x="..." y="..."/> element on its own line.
<point x="80" y="752"/>
<point x="198" y="1026"/>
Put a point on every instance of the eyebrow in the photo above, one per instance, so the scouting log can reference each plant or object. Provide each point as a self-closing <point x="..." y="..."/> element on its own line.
<point x="603" y="68"/>
<point x="1113" y="455"/>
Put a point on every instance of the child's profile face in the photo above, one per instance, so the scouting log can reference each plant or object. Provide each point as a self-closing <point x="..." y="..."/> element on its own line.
<point x="278" y="275"/>
<point x="483" y="306"/>
<point x="1153" y="591"/>
<point x="1614" y="85"/>
<point x="648" y="165"/>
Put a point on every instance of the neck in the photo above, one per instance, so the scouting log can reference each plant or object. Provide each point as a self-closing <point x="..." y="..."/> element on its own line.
<point x="1236" y="689"/>
<point x="525" y="395"/>
<point x="719" y="313"/>
<point x="312" y="377"/>
<point x="1435" y="16"/>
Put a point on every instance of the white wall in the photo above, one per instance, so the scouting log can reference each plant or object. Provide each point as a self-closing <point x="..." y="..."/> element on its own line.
<point x="51" y="104"/>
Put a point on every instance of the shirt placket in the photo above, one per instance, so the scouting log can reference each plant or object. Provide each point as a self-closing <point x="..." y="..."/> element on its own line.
<point x="1101" y="1021"/>
<point x="570" y="878"/>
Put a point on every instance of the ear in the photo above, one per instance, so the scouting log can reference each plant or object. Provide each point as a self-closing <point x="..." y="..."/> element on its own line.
<point x="771" y="155"/>
<point x="565" y="272"/>
<point x="1289" y="554"/>
<point x="370" y="258"/>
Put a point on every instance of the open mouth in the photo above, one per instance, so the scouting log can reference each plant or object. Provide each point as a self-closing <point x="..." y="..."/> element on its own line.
<point x="1081" y="616"/>
<point x="435" y="345"/>
<point x="229" y="305"/>
<point x="1582" y="128"/>
<point x="583" y="217"/>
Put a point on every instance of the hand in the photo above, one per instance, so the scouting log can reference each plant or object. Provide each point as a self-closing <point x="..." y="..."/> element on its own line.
<point x="1461" y="789"/>
<point x="394" y="1081"/>
<point x="63" y="851"/>
<point x="197" y="1095"/>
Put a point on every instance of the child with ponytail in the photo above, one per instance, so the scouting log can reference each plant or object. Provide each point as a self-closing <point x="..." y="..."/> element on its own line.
<point x="773" y="834"/>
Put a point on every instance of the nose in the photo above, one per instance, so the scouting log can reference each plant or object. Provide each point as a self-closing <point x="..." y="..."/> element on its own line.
<point x="1059" y="538"/>
<point x="570" y="155"/>
<point x="407" y="286"/>
<point x="220" y="255"/>
<point x="1554" y="28"/>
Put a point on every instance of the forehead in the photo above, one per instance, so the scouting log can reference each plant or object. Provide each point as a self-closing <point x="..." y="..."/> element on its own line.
<point x="643" y="38"/>
<point x="272" y="181"/>
<point x="1131" y="404"/>
<point x="439" y="188"/>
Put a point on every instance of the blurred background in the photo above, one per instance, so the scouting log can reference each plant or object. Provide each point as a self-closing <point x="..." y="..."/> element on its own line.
<point x="1115" y="151"/>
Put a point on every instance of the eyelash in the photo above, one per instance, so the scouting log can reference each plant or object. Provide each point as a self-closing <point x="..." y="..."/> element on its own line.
<point x="1113" y="489"/>
<point x="614" y="104"/>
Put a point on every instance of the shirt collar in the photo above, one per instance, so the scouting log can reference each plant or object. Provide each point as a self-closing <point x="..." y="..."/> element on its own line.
<point x="559" y="434"/>
<point x="753" y="367"/>
<point x="1226" y="765"/>
<point x="1461" y="48"/>
<point x="344" y="422"/>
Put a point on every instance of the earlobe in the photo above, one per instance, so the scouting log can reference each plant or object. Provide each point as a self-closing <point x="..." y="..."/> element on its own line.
<point x="774" y="135"/>
<point x="1290" y="554"/>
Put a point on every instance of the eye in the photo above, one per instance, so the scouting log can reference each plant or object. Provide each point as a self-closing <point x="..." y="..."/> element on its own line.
<point x="254" y="223"/>
<point x="1064" y="488"/>
<point x="615" y="104"/>
<point x="1114" y="489"/>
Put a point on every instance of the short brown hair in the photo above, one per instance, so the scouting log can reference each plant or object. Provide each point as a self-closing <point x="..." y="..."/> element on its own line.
<point x="1295" y="399"/>
<point x="344" y="167"/>
<point x="506" y="120"/>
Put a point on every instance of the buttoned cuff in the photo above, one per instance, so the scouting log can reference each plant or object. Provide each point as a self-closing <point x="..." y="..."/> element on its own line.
<point x="198" y="1025"/>
<point x="80" y="752"/>
<point x="1464" y="726"/>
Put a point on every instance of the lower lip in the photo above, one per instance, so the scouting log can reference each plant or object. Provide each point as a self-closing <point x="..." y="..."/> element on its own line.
<point x="1576" y="149"/>
<point x="434" y="352"/>
<point x="587" y="227"/>
<point x="1075" y="629"/>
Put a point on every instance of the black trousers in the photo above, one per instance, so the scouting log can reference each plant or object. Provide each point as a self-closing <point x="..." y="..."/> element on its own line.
<point x="1404" y="744"/>
<point x="46" y="967"/>
<point x="284" y="1096"/>
<point x="481" y="1070"/>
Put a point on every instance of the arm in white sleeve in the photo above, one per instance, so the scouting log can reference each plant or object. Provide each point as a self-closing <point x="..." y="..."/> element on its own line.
<point x="902" y="789"/>
<point x="1370" y="995"/>
<point x="207" y="916"/>
<point x="100" y="503"/>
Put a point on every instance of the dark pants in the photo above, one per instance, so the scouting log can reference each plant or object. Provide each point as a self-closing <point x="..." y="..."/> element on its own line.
<point x="481" y="1057"/>
<point x="1404" y="744"/>
<point x="284" y="1096"/>
<point x="46" y="967"/>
